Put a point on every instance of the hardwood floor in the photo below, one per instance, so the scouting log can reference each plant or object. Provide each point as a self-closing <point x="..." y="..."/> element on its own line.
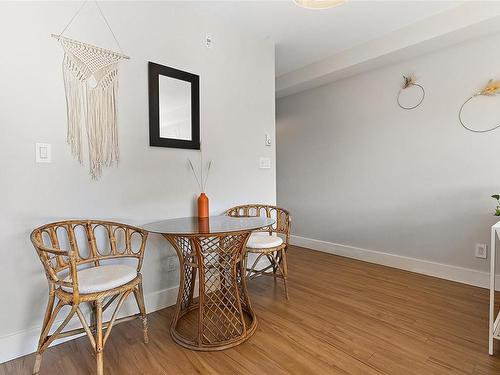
<point x="343" y="317"/>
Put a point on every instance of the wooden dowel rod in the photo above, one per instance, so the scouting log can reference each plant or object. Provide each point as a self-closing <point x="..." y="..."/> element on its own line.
<point x="59" y="37"/>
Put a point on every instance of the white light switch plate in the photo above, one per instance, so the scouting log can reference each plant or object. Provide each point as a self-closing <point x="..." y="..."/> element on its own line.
<point x="43" y="153"/>
<point x="264" y="163"/>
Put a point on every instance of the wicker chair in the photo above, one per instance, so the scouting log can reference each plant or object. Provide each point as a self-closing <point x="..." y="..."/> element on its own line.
<point x="271" y="242"/>
<point x="75" y="256"/>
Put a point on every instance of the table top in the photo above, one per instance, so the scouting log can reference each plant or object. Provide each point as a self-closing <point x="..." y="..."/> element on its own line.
<point x="211" y="225"/>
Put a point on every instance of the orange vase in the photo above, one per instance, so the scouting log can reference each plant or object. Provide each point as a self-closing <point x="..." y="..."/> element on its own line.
<point x="203" y="225"/>
<point x="203" y="205"/>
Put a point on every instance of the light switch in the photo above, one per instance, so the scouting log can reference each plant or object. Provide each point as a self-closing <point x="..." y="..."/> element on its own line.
<point x="268" y="140"/>
<point x="264" y="163"/>
<point x="43" y="153"/>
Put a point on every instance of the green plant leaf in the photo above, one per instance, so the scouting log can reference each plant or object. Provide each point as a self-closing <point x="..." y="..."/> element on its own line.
<point x="496" y="196"/>
<point x="497" y="212"/>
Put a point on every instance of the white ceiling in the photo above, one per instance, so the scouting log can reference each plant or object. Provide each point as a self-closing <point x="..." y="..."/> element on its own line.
<point x="304" y="36"/>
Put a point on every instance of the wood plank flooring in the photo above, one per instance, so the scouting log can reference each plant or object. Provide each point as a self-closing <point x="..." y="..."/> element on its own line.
<point x="343" y="317"/>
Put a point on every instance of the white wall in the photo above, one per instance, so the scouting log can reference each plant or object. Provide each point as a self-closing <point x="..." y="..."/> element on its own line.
<point x="237" y="109"/>
<point x="355" y="169"/>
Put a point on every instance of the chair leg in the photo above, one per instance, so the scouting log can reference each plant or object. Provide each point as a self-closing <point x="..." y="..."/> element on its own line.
<point x="273" y="264"/>
<point x="46" y="339"/>
<point x="251" y="272"/>
<point x="99" y="341"/>
<point x="278" y="265"/>
<point x="93" y="320"/>
<point x="139" y="297"/>
<point x="286" y="289"/>
<point x="47" y="324"/>
<point x="284" y="270"/>
<point x="38" y="362"/>
<point x="280" y="261"/>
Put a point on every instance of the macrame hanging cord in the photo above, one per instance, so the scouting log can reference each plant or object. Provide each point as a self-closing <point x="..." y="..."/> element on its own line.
<point x="91" y="84"/>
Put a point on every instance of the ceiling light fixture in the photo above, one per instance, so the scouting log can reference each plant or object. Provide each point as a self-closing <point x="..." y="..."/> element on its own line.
<point x="318" y="4"/>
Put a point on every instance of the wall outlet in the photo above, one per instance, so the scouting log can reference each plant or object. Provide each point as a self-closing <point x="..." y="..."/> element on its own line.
<point x="481" y="250"/>
<point x="264" y="163"/>
<point x="172" y="264"/>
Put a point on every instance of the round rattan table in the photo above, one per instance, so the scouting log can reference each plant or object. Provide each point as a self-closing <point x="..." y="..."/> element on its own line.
<point x="211" y="255"/>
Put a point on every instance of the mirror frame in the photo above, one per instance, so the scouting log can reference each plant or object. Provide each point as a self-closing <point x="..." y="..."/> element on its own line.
<point x="154" y="73"/>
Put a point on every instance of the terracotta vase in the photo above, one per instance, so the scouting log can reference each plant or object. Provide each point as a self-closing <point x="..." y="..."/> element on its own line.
<point x="203" y="210"/>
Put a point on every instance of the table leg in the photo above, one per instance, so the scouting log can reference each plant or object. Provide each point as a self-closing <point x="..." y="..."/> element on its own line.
<point x="492" y="289"/>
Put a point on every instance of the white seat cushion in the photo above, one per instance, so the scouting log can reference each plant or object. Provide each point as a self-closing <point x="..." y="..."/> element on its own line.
<point x="98" y="279"/>
<point x="263" y="241"/>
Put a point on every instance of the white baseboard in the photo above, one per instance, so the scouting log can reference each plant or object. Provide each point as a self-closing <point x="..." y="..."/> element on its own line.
<point x="25" y="342"/>
<point x="444" y="271"/>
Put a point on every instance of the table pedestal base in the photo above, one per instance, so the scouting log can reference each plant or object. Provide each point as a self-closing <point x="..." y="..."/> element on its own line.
<point x="220" y="316"/>
<point x="185" y="333"/>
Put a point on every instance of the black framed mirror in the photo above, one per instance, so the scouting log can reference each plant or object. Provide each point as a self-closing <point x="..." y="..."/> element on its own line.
<point x="174" y="107"/>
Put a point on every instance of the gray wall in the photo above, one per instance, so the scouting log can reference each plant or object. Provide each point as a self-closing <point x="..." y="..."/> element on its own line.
<point x="355" y="169"/>
<point x="237" y="109"/>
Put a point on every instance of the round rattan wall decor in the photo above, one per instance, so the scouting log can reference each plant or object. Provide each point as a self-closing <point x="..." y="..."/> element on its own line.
<point x="410" y="83"/>
<point x="491" y="89"/>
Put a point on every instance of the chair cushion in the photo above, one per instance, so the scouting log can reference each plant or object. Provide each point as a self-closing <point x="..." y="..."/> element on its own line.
<point x="101" y="278"/>
<point x="263" y="241"/>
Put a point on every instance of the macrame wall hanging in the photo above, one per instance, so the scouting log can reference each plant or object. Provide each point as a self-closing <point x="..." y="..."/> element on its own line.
<point x="492" y="88"/>
<point x="410" y="82"/>
<point x="91" y="83"/>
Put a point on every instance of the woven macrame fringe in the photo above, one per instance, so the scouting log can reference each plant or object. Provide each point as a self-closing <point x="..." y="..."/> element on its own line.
<point x="102" y="128"/>
<point x="76" y="109"/>
<point x="92" y="108"/>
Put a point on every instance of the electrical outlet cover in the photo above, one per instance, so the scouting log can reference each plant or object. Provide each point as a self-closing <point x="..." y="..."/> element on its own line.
<point x="172" y="264"/>
<point x="264" y="163"/>
<point x="481" y="250"/>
